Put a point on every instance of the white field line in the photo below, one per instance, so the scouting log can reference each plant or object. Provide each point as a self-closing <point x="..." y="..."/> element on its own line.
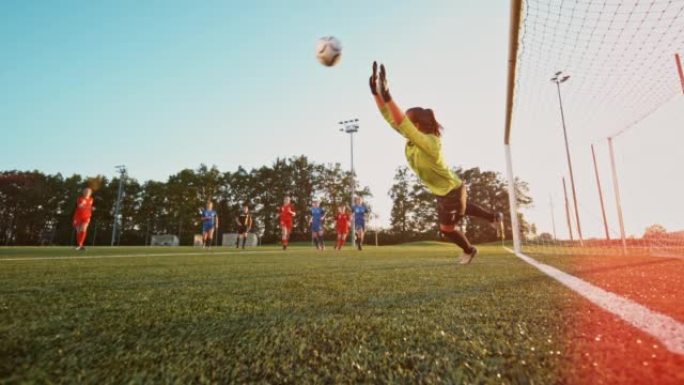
<point x="180" y="254"/>
<point x="665" y="255"/>
<point x="665" y="329"/>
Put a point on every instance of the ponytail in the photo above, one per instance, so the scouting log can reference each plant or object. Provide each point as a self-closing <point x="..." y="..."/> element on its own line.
<point x="424" y="119"/>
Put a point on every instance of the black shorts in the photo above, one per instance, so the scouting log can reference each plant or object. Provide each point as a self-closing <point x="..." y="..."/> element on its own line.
<point x="451" y="207"/>
<point x="242" y="230"/>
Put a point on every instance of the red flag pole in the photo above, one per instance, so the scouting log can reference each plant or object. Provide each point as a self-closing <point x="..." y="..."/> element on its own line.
<point x="679" y="69"/>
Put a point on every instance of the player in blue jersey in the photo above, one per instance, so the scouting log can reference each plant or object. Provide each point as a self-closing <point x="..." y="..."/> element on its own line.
<point x="359" y="211"/>
<point x="317" y="222"/>
<point x="209" y="224"/>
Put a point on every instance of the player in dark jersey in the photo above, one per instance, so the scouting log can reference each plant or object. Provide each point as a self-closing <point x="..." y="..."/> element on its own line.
<point x="244" y="225"/>
<point x="209" y="224"/>
<point x="342" y="223"/>
<point x="82" y="214"/>
<point x="359" y="211"/>
<point x="317" y="222"/>
<point x="286" y="213"/>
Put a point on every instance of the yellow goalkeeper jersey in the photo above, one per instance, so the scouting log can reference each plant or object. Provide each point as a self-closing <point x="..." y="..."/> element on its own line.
<point x="424" y="156"/>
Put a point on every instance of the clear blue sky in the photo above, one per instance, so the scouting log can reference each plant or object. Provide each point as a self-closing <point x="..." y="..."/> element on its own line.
<point x="161" y="85"/>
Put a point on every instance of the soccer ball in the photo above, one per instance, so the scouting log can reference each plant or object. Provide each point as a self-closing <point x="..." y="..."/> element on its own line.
<point x="328" y="50"/>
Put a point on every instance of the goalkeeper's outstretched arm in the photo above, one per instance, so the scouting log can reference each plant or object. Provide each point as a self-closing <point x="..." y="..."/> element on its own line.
<point x="380" y="90"/>
<point x="396" y="117"/>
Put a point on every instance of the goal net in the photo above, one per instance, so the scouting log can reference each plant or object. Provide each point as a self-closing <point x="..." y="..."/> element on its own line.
<point x="597" y="126"/>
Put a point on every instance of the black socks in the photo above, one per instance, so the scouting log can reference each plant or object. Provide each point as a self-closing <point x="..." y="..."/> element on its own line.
<point x="460" y="239"/>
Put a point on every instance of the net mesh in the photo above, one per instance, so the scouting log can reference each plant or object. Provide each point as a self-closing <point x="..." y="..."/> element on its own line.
<point x="623" y="84"/>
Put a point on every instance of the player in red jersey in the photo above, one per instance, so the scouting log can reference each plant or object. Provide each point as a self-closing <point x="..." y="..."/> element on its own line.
<point x="82" y="214"/>
<point x="342" y="223"/>
<point x="287" y="213"/>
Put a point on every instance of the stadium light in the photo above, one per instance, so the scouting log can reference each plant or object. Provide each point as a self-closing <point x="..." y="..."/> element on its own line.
<point x="558" y="79"/>
<point x="351" y="127"/>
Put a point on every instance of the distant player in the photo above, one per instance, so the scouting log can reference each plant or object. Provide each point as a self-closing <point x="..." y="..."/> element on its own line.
<point x="342" y="223"/>
<point x="82" y="214"/>
<point x="244" y="225"/>
<point x="210" y="222"/>
<point x="287" y="214"/>
<point x="317" y="222"/>
<point x="359" y="211"/>
<point x="424" y="155"/>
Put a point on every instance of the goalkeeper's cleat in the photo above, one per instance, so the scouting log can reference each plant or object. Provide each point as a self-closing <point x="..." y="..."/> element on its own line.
<point x="466" y="258"/>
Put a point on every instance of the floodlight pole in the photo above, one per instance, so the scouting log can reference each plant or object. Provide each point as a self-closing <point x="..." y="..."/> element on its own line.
<point x="558" y="79"/>
<point x="351" y="127"/>
<point x="553" y="218"/>
<point x="374" y="219"/>
<point x="618" y="201"/>
<point x="600" y="192"/>
<point x="567" y="210"/>
<point x="679" y="70"/>
<point x="117" y="207"/>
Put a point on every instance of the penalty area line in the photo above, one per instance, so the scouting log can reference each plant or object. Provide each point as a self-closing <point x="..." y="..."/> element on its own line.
<point x="665" y="329"/>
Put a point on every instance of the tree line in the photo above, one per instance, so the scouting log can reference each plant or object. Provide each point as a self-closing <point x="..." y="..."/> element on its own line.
<point x="414" y="211"/>
<point x="37" y="208"/>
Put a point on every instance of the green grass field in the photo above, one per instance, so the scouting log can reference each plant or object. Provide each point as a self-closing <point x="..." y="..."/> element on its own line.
<point x="404" y="314"/>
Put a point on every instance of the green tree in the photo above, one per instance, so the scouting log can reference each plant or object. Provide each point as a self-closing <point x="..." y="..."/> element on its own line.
<point x="402" y="204"/>
<point x="29" y="206"/>
<point x="38" y="208"/>
<point x="184" y="202"/>
<point x="414" y="213"/>
<point x="655" y="231"/>
<point x="154" y="214"/>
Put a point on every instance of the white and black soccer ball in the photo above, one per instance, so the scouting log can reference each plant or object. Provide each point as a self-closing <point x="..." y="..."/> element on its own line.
<point x="328" y="51"/>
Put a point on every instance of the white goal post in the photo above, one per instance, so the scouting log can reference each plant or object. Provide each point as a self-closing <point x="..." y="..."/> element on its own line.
<point x="516" y="9"/>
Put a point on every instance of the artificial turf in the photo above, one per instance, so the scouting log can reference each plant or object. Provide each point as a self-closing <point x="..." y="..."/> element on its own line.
<point x="402" y="314"/>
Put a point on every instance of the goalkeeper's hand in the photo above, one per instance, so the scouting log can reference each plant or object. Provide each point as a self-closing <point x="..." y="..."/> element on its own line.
<point x="384" y="86"/>
<point x="373" y="80"/>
